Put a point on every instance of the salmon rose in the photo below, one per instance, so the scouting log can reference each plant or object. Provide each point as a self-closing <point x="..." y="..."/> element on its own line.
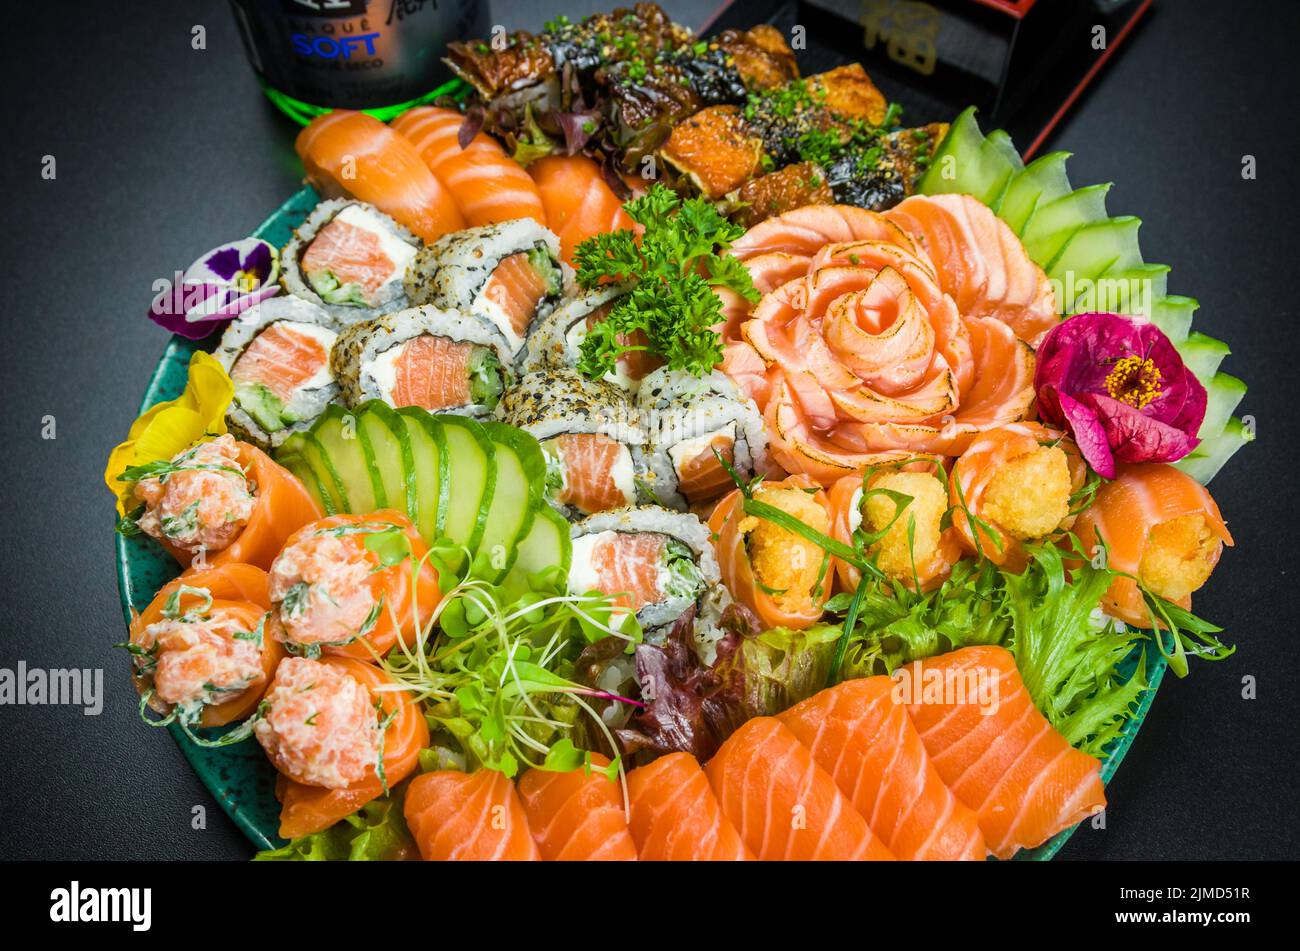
<point x="856" y="352"/>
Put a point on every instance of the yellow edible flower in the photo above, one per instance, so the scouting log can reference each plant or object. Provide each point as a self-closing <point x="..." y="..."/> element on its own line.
<point x="172" y="426"/>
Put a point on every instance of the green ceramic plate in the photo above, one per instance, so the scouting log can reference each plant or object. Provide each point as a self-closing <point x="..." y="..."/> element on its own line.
<point x="240" y="777"/>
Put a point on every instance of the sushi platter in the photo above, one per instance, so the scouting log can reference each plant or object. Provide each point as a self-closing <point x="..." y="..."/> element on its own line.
<point x="674" y="453"/>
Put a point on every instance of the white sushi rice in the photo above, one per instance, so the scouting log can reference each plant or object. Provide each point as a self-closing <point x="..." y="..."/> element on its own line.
<point x="364" y="355"/>
<point x="453" y="272"/>
<point x="312" y="396"/>
<point x="399" y="244"/>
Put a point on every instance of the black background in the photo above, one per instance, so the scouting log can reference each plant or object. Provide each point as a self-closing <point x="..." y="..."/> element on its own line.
<point x="163" y="151"/>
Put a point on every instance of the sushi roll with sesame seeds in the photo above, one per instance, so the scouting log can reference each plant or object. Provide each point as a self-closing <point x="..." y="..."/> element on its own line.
<point x="589" y="434"/>
<point x="349" y="258"/>
<point x="278" y="356"/>
<point x="557" y="340"/>
<point x="435" y="359"/>
<point x="509" y="274"/>
<point x="654" y="562"/>
<point x="689" y="423"/>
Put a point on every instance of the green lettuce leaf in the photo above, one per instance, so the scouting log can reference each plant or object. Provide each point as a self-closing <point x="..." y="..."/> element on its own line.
<point x="375" y="833"/>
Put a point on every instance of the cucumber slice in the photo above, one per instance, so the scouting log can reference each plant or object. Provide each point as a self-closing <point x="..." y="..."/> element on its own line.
<point x="1041" y="181"/>
<point x="547" y="543"/>
<point x="1203" y="355"/>
<point x="1205" y="461"/>
<point x="1054" y="223"/>
<point x="429" y="467"/>
<point x="1132" y="291"/>
<point x="1223" y="395"/>
<point x="390" y="452"/>
<point x="471" y="479"/>
<point x="302" y="456"/>
<point x="967" y="163"/>
<point x="342" y="449"/>
<point x="520" y="479"/>
<point x="1094" y="249"/>
<point x="1173" y="315"/>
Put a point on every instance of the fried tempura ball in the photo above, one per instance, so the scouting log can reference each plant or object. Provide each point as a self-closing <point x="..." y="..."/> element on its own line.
<point x="1029" y="496"/>
<point x="1179" y="556"/>
<point x="781" y="560"/>
<point x="929" y="502"/>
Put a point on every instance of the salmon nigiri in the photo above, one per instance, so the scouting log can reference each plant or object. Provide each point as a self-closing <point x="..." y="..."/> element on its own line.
<point x="866" y="741"/>
<point x="995" y="751"/>
<point x="1160" y="525"/>
<point x="578" y="203"/>
<point x="353" y="154"/>
<point x="488" y="186"/>
<point x="676" y="817"/>
<point x="577" y="814"/>
<point x="785" y="805"/>
<point x="471" y="816"/>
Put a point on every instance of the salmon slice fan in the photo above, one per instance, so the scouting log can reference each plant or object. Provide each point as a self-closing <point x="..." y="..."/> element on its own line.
<point x="433" y="373"/>
<point x="589" y="460"/>
<point x="805" y="231"/>
<point x="867" y="743"/>
<point x="353" y="255"/>
<point x="784" y="805"/>
<point x="996" y="752"/>
<point x="577" y="815"/>
<point x="517" y="288"/>
<point x="629" y="566"/>
<point x="676" y="817"/>
<point x="348" y="153"/>
<point x="468" y="816"/>
<point x="281" y="359"/>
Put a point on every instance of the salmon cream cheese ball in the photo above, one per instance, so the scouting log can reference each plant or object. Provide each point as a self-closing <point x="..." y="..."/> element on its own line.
<point x="200" y="500"/>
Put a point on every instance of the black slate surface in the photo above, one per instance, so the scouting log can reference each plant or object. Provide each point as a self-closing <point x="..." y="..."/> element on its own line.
<point x="163" y="151"/>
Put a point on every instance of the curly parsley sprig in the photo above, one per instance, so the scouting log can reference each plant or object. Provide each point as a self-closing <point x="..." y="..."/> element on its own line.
<point x="672" y="269"/>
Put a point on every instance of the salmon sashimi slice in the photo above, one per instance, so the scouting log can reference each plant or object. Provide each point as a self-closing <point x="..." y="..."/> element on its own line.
<point x="578" y="203"/>
<point x="995" y="751"/>
<point x="469" y="816"/>
<point x="353" y="255"/>
<point x="353" y="154"/>
<point x="577" y="815"/>
<point x="783" y="804"/>
<point x="805" y="231"/>
<point x="867" y="743"/>
<point x="702" y="477"/>
<point x="627" y="565"/>
<point x="435" y="133"/>
<point x="433" y="373"/>
<point x="307" y="809"/>
<point x="1125" y="513"/>
<point x="281" y="358"/>
<point x="517" y="288"/>
<point x="589" y="461"/>
<point x="980" y="261"/>
<point x="676" y="817"/>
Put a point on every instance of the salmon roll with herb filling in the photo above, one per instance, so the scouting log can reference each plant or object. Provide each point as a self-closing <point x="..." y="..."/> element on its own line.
<point x="349" y="258"/>
<point x="219" y="502"/>
<point x="203" y="650"/>
<point x="337" y="738"/>
<point x="900" y="514"/>
<point x="781" y="576"/>
<point x="352" y="585"/>
<point x="588" y="433"/>
<point x="690" y="423"/>
<point x="435" y="359"/>
<point x="655" y="563"/>
<point x="508" y="274"/>
<point x="557" y="339"/>
<point x="278" y="355"/>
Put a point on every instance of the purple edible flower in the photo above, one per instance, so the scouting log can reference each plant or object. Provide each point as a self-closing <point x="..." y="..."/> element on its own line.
<point x="1122" y="390"/>
<point x="217" y="287"/>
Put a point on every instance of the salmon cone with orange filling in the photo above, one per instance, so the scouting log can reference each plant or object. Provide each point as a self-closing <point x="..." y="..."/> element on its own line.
<point x="352" y="585"/>
<point x="780" y="575"/>
<point x="204" y="648"/>
<point x="336" y="738"/>
<point x="1160" y="527"/>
